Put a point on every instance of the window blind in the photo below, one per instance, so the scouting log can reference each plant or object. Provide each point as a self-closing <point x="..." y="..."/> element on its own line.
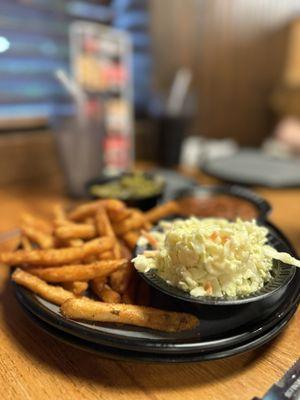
<point x="34" y="43"/>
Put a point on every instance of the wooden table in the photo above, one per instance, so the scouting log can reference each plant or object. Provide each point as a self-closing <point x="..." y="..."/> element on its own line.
<point x="35" y="366"/>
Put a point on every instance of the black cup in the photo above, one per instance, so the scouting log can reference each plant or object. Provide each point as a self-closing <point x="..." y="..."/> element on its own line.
<point x="171" y="132"/>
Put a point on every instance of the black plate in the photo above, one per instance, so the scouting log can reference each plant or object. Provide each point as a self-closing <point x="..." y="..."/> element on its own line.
<point x="218" y="327"/>
<point x="262" y="206"/>
<point x="127" y="355"/>
<point x="275" y="288"/>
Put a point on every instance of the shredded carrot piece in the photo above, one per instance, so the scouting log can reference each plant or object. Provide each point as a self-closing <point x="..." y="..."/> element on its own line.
<point x="151" y="239"/>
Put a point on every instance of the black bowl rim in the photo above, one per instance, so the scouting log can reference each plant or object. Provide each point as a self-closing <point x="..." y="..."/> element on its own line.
<point x="106" y="178"/>
<point x="158" y="283"/>
<point x="262" y="205"/>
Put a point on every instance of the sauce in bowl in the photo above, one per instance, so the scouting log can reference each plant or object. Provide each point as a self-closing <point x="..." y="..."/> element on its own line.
<point x="218" y="205"/>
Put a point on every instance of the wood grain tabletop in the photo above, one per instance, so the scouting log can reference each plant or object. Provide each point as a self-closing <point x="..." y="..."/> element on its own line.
<point x="35" y="366"/>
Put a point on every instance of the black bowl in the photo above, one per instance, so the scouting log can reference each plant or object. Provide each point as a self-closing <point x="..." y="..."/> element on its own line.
<point x="282" y="275"/>
<point x="143" y="203"/>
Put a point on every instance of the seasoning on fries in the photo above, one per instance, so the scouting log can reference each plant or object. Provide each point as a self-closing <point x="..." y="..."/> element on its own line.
<point x="162" y="211"/>
<point x="105" y="228"/>
<point x="25" y="243"/>
<point x="129" y="294"/>
<point x="56" y="256"/>
<point x="107" y="255"/>
<point x="135" y="221"/>
<point x="120" y="215"/>
<point x="147" y="317"/>
<point x="88" y="209"/>
<point x="44" y="240"/>
<point x="89" y="249"/>
<point x="75" y="231"/>
<point x="55" y="294"/>
<point x="131" y="238"/>
<point x="59" y="215"/>
<point x="76" y="287"/>
<point x="35" y="222"/>
<point x="105" y="292"/>
<point x="97" y="285"/>
<point x="80" y="272"/>
<point x="120" y="279"/>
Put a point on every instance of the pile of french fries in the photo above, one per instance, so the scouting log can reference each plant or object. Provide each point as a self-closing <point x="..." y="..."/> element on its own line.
<point x="81" y="261"/>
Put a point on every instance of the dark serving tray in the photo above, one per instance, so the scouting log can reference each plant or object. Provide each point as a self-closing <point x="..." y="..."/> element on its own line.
<point x="220" y="327"/>
<point x="127" y="355"/>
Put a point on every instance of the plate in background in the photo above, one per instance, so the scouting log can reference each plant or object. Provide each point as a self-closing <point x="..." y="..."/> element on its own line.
<point x="253" y="167"/>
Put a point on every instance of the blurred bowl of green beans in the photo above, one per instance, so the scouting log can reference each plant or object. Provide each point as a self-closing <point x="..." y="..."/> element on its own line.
<point x="137" y="189"/>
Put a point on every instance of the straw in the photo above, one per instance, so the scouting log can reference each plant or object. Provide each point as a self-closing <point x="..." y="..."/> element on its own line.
<point x="178" y="91"/>
<point x="70" y="85"/>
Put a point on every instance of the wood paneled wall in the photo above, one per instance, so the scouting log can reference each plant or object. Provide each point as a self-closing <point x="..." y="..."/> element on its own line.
<point x="236" y="50"/>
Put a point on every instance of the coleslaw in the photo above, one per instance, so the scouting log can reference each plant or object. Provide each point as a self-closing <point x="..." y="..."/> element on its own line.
<point x="212" y="257"/>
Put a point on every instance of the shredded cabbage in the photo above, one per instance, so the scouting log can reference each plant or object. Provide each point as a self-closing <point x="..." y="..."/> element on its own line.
<point x="212" y="257"/>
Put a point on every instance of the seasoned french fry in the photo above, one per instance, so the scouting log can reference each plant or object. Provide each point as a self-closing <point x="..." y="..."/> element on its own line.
<point x="25" y="243"/>
<point x="107" y="255"/>
<point x="162" y="211"/>
<point x="104" y="228"/>
<point x="57" y="256"/>
<point x="75" y="231"/>
<point x="76" y="242"/>
<point x="88" y="209"/>
<point x="59" y="215"/>
<point x="112" y="205"/>
<point x="42" y="239"/>
<point x="103" y="263"/>
<point x="147" y="317"/>
<point x="77" y="287"/>
<point x="83" y="211"/>
<point x="89" y="221"/>
<point x="120" y="279"/>
<point x="80" y="272"/>
<point x="130" y="238"/>
<point x="55" y="294"/>
<point x="119" y="215"/>
<point x="104" y="292"/>
<point x="147" y="226"/>
<point x="103" y="224"/>
<point x="129" y="293"/>
<point x="125" y="252"/>
<point x="135" y="221"/>
<point x="117" y="250"/>
<point x="37" y="223"/>
<point x="97" y="284"/>
<point x="109" y="295"/>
